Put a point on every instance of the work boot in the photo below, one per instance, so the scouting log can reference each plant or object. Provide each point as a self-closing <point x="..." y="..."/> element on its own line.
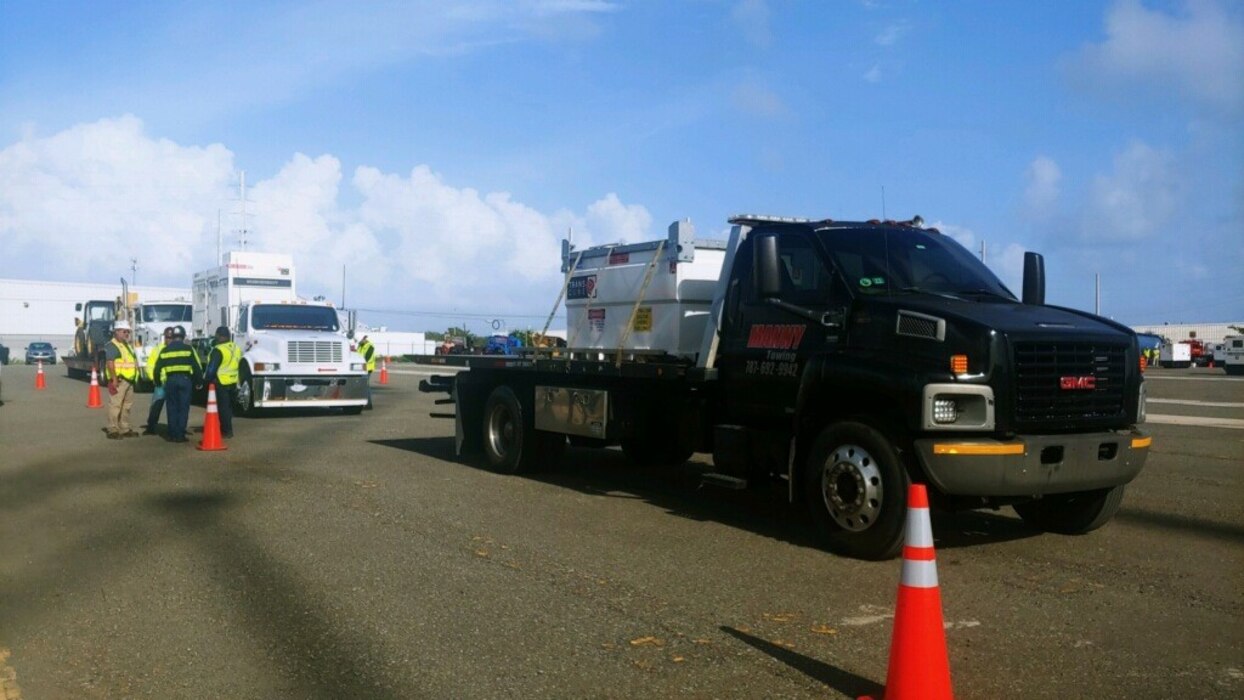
<point x="130" y="433"/>
<point x="114" y="436"/>
<point x="150" y="431"/>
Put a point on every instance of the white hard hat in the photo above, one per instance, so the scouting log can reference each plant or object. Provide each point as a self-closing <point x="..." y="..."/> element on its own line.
<point x="121" y="326"/>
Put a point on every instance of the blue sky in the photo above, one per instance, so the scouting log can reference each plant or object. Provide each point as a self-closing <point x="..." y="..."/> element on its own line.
<point x="439" y="150"/>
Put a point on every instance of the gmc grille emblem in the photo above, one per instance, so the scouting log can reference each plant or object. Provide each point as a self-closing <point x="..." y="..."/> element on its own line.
<point x="1074" y="383"/>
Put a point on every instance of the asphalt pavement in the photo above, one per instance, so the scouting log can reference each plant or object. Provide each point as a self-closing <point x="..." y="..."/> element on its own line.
<point x="334" y="556"/>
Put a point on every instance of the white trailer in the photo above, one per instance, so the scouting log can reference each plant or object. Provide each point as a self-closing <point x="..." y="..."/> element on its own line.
<point x="1232" y="354"/>
<point x="294" y="353"/>
<point x="1175" y="355"/>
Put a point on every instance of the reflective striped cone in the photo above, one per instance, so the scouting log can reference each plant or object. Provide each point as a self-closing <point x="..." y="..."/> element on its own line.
<point x="919" y="665"/>
<point x="41" y="382"/>
<point x="211" y="424"/>
<point x="384" y="371"/>
<point x="93" y="397"/>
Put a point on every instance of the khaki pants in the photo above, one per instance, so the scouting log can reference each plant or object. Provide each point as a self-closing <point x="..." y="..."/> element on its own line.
<point x="119" y="405"/>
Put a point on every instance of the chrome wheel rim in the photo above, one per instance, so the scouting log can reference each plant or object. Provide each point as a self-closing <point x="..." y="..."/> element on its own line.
<point x="502" y="430"/>
<point x="851" y="488"/>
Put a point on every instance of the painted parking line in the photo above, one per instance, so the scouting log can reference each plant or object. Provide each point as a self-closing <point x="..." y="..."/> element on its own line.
<point x="1189" y="402"/>
<point x="1230" y="423"/>
<point x="1210" y="378"/>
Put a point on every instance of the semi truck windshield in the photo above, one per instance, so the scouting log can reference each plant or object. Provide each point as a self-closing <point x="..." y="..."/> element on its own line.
<point x="166" y="313"/>
<point x="915" y="261"/>
<point x="288" y="317"/>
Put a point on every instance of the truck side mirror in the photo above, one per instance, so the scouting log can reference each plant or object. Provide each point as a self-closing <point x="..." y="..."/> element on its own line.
<point x="1034" y="279"/>
<point x="77" y="306"/>
<point x="768" y="267"/>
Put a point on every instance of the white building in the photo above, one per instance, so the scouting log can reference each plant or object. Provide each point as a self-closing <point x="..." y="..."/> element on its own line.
<point x="32" y="310"/>
<point x="1211" y="333"/>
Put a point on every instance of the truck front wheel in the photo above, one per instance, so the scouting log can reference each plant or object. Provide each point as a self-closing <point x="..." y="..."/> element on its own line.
<point x="1072" y="513"/>
<point x="856" y="490"/>
<point x="511" y="442"/>
<point x="246" y="395"/>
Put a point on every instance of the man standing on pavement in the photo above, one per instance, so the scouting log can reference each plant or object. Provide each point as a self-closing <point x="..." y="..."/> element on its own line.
<point x="178" y="371"/>
<point x="122" y="374"/>
<point x="222" y="370"/>
<point x="368" y="351"/>
<point x="157" y="396"/>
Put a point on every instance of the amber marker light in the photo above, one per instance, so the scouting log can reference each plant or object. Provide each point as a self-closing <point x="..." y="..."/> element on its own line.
<point x="957" y="448"/>
<point x="1138" y="443"/>
<point x="959" y="364"/>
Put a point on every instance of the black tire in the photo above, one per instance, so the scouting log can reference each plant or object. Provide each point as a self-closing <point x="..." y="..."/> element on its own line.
<point x="856" y="490"/>
<point x="245" y="403"/>
<point x="511" y="442"/>
<point x="1072" y="513"/>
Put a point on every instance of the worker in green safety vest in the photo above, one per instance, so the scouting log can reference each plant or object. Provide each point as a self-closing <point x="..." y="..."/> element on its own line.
<point x="368" y="351"/>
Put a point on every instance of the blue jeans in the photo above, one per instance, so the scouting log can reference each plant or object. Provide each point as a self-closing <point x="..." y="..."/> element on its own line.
<point x="177" y="390"/>
<point x="153" y="416"/>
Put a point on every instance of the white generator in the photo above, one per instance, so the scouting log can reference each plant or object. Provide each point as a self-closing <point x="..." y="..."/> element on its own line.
<point x="642" y="297"/>
<point x="245" y="276"/>
<point x="1175" y="355"/>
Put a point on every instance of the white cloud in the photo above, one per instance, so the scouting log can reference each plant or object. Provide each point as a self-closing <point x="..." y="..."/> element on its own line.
<point x="1197" y="54"/>
<point x="1136" y="200"/>
<point x="95" y="195"/>
<point x="1044" y="179"/>
<point x="89" y="198"/>
<point x="892" y="33"/>
<point x="752" y="19"/>
<point x="964" y="235"/>
<point x="757" y="99"/>
<point x="873" y="74"/>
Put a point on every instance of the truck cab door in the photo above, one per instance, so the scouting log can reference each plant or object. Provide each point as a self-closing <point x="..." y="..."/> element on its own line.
<point x="771" y="335"/>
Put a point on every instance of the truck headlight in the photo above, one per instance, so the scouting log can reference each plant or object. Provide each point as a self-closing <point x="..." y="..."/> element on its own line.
<point x="357" y="366"/>
<point x="945" y="410"/>
<point x="958" y="407"/>
<point x="267" y="366"/>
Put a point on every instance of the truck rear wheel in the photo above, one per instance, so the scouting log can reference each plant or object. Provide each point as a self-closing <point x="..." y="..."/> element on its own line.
<point x="856" y="489"/>
<point x="511" y="442"/>
<point x="1072" y="513"/>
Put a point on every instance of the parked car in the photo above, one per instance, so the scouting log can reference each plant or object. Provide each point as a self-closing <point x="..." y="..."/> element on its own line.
<point x="40" y="351"/>
<point x="4" y="354"/>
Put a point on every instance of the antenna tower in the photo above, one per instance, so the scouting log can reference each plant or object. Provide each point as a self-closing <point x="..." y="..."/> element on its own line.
<point x="242" y="232"/>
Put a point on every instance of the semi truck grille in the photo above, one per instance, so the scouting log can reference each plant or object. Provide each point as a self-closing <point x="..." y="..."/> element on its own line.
<point x="1052" y="382"/>
<point x="314" y="351"/>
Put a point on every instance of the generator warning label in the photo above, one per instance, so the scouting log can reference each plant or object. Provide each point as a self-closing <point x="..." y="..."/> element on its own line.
<point x="596" y="319"/>
<point x="766" y="336"/>
<point x="582" y="287"/>
<point x="643" y="319"/>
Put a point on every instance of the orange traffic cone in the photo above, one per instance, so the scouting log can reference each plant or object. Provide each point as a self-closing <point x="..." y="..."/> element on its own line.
<point x="211" y="424"/>
<point x="41" y="382"/>
<point x="93" y="399"/>
<point x="384" y="371"/>
<point x="919" y="666"/>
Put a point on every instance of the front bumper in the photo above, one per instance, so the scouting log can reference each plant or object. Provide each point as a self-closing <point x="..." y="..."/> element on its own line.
<point x="1032" y="465"/>
<point x="284" y="391"/>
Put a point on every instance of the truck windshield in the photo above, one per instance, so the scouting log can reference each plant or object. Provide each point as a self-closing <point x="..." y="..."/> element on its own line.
<point x="910" y="262"/>
<point x="166" y="313"/>
<point x="290" y="317"/>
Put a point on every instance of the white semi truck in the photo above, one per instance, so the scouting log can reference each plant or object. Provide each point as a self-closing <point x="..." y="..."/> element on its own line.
<point x="150" y="319"/>
<point x="294" y="352"/>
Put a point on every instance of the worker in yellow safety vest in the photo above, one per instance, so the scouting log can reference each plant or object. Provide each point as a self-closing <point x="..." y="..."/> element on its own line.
<point x="368" y="351"/>
<point x="222" y="370"/>
<point x="121" y="372"/>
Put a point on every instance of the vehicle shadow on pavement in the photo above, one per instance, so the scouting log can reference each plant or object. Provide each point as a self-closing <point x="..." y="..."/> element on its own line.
<point x="1186" y="524"/>
<point x="318" y="658"/>
<point x="968" y="528"/>
<point x="842" y="681"/>
<point x="762" y="509"/>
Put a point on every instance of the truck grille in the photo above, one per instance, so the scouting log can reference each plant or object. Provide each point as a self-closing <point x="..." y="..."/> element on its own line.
<point x="314" y="351"/>
<point x="1040" y="370"/>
